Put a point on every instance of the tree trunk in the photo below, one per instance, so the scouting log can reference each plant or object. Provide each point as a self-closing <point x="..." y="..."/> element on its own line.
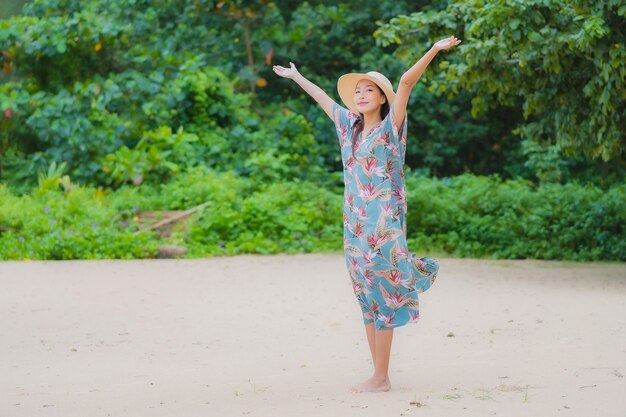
<point x="246" y="32"/>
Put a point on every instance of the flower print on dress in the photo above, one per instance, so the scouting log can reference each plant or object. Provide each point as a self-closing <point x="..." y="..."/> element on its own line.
<point x="361" y="213"/>
<point x="371" y="167"/>
<point x="370" y="258"/>
<point x="385" y="320"/>
<point x="368" y="275"/>
<point x="386" y="209"/>
<point x="358" y="230"/>
<point x="369" y="192"/>
<point x="383" y="139"/>
<point x="394" y="277"/>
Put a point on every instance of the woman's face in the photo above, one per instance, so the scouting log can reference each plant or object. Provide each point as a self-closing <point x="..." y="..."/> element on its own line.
<point x="368" y="96"/>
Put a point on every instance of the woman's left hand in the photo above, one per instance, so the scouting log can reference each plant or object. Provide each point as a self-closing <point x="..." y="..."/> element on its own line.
<point x="446" y="43"/>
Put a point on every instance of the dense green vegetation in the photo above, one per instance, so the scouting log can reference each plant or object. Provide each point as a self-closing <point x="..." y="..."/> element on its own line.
<point x="465" y="216"/>
<point x="516" y="139"/>
<point x="11" y="8"/>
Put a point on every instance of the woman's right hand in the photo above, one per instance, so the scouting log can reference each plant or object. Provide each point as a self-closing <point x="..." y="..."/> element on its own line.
<point x="286" y="72"/>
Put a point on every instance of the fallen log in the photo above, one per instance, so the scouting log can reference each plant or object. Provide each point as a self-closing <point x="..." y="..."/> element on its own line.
<point x="174" y="218"/>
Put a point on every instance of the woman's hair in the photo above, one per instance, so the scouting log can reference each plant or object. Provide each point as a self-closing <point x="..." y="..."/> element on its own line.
<point x="358" y="126"/>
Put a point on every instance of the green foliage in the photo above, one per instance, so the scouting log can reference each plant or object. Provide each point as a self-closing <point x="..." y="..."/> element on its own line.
<point x="486" y="216"/>
<point x="282" y="217"/>
<point x="445" y="140"/>
<point x="73" y="126"/>
<point x="465" y="216"/>
<point x="53" y="178"/>
<point x="559" y="63"/>
<point x="196" y="186"/>
<point x="199" y="97"/>
<point x="11" y="7"/>
<point x="58" y="50"/>
<point x="173" y="103"/>
<point x="158" y="154"/>
<point x="243" y="217"/>
<point x="545" y="161"/>
<point x="20" y="170"/>
<point x="283" y="147"/>
<point x="114" y="130"/>
<point x="72" y="225"/>
<point x="83" y="79"/>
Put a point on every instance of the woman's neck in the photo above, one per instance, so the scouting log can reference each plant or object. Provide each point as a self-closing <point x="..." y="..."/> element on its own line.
<point x="371" y="119"/>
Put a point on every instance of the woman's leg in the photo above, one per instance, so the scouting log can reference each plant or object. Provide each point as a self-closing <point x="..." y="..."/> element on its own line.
<point x="383" y="351"/>
<point x="371" y="340"/>
<point x="380" y="380"/>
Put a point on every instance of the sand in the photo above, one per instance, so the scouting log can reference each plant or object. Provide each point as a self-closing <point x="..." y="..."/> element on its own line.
<point x="282" y="336"/>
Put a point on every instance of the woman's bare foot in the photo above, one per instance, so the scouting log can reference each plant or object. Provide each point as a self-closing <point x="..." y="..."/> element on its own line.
<point x="373" y="384"/>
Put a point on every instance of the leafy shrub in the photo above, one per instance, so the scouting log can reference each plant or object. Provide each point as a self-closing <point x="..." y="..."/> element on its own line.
<point x="286" y="217"/>
<point x="77" y="224"/>
<point x="159" y="154"/>
<point x="485" y="216"/>
<point x="55" y="51"/>
<point x="244" y="215"/>
<point x="465" y="216"/>
<point x="73" y="126"/>
<point x="284" y="148"/>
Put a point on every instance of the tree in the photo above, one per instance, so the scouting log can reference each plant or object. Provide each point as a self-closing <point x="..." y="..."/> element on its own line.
<point x="560" y="63"/>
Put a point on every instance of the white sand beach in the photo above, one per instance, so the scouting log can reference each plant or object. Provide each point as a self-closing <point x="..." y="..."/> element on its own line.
<point x="282" y="336"/>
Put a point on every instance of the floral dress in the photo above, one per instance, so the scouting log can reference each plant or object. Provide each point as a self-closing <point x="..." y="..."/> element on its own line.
<point x="386" y="278"/>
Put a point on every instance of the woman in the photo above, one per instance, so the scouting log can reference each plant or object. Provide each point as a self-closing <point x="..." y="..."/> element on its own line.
<point x="386" y="278"/>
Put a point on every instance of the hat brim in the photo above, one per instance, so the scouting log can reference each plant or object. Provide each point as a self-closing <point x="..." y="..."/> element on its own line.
<point x="347" y="84"/>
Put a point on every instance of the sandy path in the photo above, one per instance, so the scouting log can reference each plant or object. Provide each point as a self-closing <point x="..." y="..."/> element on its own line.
<point x="282" y="336"/>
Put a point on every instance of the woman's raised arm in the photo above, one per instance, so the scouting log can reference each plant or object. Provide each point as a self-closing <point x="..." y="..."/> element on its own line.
<point x="410" y="78"/>
<point x="314" y="91"/>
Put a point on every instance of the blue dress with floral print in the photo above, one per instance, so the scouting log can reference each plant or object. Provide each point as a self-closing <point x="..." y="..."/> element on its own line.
<point x="385" y="276"/>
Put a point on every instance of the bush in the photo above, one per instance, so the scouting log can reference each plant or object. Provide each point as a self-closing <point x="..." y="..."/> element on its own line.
<point x="245" y="216"/>
<point x="77" y="224"/>
<point x="464" y="216"/>
<point x="284" y="217"/>
<point x="485" y="216"/>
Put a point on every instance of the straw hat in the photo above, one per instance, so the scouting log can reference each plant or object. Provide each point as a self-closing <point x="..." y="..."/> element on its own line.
<point x="347" y="84"/>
